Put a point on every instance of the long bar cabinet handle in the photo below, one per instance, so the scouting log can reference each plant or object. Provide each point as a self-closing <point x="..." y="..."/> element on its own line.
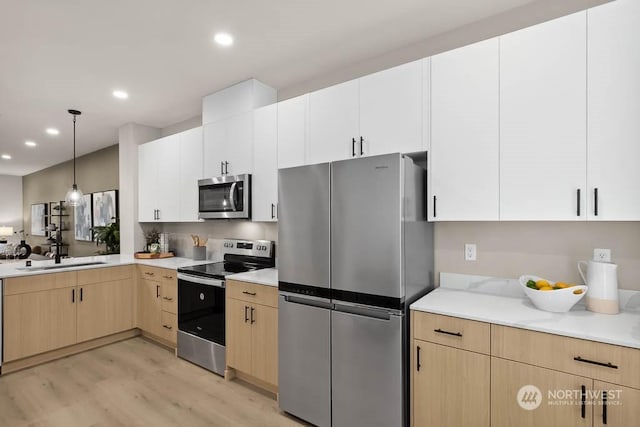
<point x="440" y="331"/>
<point x="593" y="362"/>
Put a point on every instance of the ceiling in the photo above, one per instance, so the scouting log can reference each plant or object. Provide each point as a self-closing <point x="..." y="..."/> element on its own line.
<point x="64" y="54"/>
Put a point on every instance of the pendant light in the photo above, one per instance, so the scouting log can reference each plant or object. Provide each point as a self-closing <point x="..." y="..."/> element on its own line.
<point x="74" y="195"/>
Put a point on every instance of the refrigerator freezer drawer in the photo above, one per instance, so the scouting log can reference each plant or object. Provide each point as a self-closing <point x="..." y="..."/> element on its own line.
<point x="304" y="370"/>
<point x="368" y="375"/>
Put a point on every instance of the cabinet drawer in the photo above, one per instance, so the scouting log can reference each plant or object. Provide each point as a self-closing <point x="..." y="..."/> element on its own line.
<point x="252" y="292"/>
<point x="167" y="275"/>
<point x="605" y="362"/>
<point x="169" y="327"/>
<point x="148" y="272"/>
<point x="107" y="274"/>
<point x="169" y="294"/>
<point x="39" y="282"/>
<point x="452" y="331"/>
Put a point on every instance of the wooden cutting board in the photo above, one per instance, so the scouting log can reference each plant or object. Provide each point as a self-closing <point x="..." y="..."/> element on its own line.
<point x="149" y="255"/>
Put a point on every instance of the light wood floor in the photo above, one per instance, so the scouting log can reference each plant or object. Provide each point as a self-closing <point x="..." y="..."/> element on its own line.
<point x="131" y="383"/>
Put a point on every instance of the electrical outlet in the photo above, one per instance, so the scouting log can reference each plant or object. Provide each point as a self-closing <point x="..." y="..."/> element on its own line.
<point x="470" y="251"/>
<point x="602" y="255"/>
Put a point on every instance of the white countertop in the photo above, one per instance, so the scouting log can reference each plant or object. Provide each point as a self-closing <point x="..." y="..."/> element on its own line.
<point x="503" y="302"/>
<point x="12" y="269"/>
<point x="266" y="276"/>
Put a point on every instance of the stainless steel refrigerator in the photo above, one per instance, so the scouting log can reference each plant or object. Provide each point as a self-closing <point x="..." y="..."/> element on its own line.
<point x="355" y="250"/>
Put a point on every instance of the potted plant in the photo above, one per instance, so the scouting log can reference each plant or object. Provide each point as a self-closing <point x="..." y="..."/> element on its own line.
<point x="153" y="240"/>
<point x="109" y="235"/>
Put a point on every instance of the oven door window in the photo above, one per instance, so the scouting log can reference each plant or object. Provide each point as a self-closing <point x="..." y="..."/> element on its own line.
<point x="201" y="311"/>
<point x="223" y="197"/>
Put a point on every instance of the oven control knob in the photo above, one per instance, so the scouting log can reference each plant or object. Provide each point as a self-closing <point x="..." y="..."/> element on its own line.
<point x="201" y="296"/>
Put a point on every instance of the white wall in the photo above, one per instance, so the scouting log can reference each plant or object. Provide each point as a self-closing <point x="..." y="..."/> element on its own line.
<point x="130" y="136"/>
<point x="11" y="202"/>
<point x="190" y="123"/>
<point x="530" y="14"/>
<point x="547" y="249"/>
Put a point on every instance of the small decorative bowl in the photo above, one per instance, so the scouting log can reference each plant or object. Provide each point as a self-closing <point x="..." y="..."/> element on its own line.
<point x="557" y="300"/>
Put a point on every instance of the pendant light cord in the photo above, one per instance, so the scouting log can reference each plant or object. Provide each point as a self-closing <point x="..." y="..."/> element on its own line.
<point x="74" y="150"/>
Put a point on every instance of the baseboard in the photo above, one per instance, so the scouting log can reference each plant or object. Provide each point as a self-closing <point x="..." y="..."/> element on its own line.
<point x="231" y="373"/>
<point x="157" y="340"/>
<point x="27" y="362"/>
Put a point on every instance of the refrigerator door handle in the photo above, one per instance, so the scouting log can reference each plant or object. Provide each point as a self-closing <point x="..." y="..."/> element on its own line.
<point x="375" y="313"/>
<point x="312" y="302"/>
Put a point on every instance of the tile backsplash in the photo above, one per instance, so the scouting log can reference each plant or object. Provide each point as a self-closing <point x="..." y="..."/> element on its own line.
<point x="181" y="244"/>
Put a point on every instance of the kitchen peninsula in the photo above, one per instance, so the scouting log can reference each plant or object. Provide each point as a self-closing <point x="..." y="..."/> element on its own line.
<point x="54" y="310"/>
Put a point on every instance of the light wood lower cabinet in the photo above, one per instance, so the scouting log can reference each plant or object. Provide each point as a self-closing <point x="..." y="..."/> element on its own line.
<point x="557" y="399"/>
<point x="37" y="322"/>
<point x="449" y="386"/>
<point x="51" y="311"/>
<point x="534" y="378"/>
<point x="149" y="306"/>
<point x="158" y="303"/>
<point x="264" y="344"/>
<point x="104" y="309"/>
<point x="238" y="333"/>
<point x="252" y="332"/>
<point x="614" y="405"/>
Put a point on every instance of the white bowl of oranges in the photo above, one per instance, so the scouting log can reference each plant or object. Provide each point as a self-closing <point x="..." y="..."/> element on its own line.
<point x="557" y="297"/>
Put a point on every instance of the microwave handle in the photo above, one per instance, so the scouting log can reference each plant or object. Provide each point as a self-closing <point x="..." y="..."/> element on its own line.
<point x="232" y="196"/>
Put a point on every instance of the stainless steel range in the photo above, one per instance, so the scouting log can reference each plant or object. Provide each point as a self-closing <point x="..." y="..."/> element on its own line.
<point x="201" y="300"/>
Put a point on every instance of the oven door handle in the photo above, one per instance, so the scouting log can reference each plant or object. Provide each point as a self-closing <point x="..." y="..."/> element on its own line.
<point x="201" y="280"/>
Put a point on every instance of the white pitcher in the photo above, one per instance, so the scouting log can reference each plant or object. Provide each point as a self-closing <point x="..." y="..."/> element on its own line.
<point x="602" y="279"/>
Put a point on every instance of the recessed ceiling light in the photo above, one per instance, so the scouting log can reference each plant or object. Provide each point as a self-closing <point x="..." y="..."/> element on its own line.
<point x="6" y="157"/>
<point x="53" y="131"/>
<point x="223" y="39"/>
<point x="120" y="94"/>
<point x="30" y="143"/>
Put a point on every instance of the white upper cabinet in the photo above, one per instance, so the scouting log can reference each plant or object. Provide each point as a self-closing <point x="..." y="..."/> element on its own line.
<point x="543" y="121"/>
<point x="214" y="138"/>
<point x="158" y="180"/>
<point x="147" y="177"/>
<point x="168" y="173"/>
<point x="292" y="131"/>
<point x="333" y="123"/>
<point x="376" y="114"/>
<point x="190" y="169"/>
<point x="426" y="106"/>
<point x="228" y="146"/>
<point x="391" y="111"/>
<point x="464" y="133"/>
<point x="264" y="186"/>
<point x="239" y="145"/>
<point x="614" y="111"/>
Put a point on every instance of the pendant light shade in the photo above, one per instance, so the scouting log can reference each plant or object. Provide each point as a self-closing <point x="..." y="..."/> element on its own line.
<point x="74" y="195"/>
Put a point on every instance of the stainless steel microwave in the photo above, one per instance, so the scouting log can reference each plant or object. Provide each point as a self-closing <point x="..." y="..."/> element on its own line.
<point x="225" y="197"/>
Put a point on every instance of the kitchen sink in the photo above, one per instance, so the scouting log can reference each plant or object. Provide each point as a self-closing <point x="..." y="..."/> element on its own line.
<point x="57" y="266"/>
